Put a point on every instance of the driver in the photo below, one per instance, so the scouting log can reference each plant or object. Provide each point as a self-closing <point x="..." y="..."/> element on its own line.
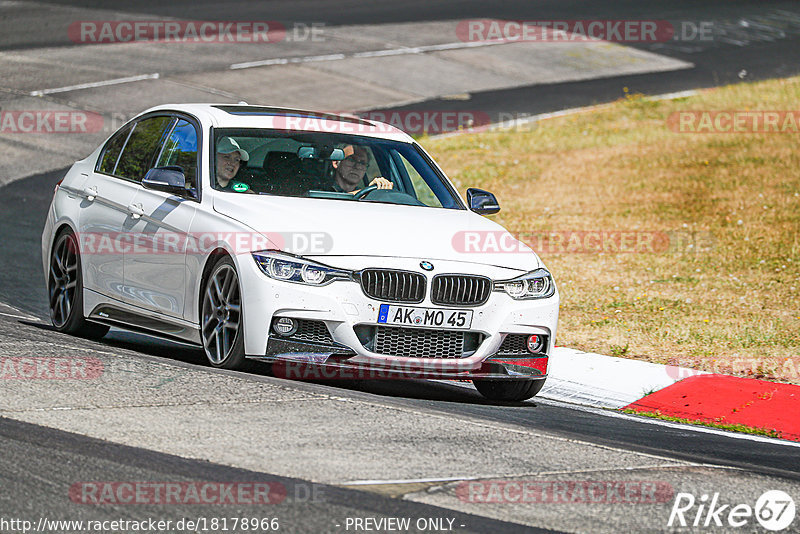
<point x="348" y="174"/>
<point x="229" y="158"/>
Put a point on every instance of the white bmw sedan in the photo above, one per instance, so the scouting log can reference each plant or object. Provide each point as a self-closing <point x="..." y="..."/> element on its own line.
<point x="328" y="245"/>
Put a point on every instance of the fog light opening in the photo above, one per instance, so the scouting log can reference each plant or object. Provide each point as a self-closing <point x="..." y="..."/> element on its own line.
<point x="534" y="344"/>
<point x="284" y="326"/>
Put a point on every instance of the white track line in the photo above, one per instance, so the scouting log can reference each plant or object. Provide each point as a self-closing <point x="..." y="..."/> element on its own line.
<point x="659" y="422"/>
<point x="20" y="314"/>
<point x="371" y="53"/>
<point x="675" y="96"/>
<point x="677" y="464"/>
<point x="90" y="85"/>
<point x="409" y="481"/>
<point x="285" y="61"/>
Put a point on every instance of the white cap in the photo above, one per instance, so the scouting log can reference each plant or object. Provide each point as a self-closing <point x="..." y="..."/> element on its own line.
<point x="227" y="145"/>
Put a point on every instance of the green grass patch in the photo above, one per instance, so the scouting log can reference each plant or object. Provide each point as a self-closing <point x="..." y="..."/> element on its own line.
<point x="722" y="426"/>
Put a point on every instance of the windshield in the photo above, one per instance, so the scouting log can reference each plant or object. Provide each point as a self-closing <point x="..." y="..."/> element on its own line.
<point x="325" y="165"/>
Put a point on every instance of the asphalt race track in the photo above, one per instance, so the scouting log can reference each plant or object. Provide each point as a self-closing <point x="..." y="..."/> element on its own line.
<point x="340" y="451"/>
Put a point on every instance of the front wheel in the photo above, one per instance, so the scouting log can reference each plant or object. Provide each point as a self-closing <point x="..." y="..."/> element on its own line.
<point x="221" y="318"/>
<point x="65" y="290"/>
<point x="508" y="390"/>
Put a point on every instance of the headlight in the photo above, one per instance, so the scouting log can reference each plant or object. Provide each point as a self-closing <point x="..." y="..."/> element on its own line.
<point x="281" y="266"/>
<point x="536" y="284"/>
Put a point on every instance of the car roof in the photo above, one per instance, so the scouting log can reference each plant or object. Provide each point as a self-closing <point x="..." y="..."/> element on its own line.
<point x="248" y="116"/>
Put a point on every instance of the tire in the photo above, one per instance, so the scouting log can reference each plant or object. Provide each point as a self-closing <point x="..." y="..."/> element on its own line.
<point x="509" y="390"/>
<point x="221" y="325"/>
<point x="65" y="290"/>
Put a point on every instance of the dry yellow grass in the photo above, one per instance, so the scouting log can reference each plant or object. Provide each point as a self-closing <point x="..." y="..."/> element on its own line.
<point x="731" y="302"/>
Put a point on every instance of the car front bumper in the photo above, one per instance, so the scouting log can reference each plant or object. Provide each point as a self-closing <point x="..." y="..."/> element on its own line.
<point x="304" y="360"/>
<point x="344" y="309"/>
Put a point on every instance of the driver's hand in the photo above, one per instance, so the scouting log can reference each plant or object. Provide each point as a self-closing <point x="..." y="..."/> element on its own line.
<point x="382" y="183"/>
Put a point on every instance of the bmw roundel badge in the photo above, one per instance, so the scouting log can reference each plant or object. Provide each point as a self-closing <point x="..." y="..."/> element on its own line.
<point x="428" y="266"/>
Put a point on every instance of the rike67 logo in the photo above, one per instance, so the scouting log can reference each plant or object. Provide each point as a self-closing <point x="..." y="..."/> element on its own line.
<point x="774" y="511"/>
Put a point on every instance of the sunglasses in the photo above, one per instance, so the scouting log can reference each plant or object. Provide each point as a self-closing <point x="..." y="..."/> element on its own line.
<point x="356" y="162"/>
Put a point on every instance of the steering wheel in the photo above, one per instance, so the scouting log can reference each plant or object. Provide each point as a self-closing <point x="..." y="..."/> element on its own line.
<point x="391" y="196"/>
<point x="364" y="192"/>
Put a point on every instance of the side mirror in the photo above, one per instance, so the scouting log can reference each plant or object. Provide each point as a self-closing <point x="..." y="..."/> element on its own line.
<point x="482" y="202"/>
<point x="167" y="179"/>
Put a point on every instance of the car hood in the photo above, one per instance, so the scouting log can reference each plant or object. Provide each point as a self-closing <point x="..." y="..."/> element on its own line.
<point x="325" y="227"/>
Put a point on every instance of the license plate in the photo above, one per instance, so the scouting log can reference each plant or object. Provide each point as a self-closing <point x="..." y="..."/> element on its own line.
<point x="425" y="317"/>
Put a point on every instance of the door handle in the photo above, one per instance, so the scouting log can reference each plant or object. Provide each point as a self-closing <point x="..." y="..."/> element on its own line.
<point x="136" y="210"/>
<point x="90" y="192"/>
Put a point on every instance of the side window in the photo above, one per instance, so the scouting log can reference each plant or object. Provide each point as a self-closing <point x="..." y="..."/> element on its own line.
<point x="180" y="149"/>
<point x="141" y="148"/>
<point x="109" y="158"/>
<point x="421" y="189"/>
<point x="373" y="169"/>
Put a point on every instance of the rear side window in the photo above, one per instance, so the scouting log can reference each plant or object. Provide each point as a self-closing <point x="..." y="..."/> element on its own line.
<point x="180" y="149"/>
<point x="111" y="154"/>
<point x="140" y="150"/>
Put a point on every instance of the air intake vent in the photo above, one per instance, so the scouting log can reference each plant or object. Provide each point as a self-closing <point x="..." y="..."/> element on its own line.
<point x="393" y="286"/>
<point x="460" y="290"/>
<point x="419" y="343"/>
<point x="312" y="331"/>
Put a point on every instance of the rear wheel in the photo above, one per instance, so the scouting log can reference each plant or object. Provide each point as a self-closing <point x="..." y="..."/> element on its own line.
<point x="65" y="290"/>
<point x="221" y="317"/>
<point x="509" y="390"/>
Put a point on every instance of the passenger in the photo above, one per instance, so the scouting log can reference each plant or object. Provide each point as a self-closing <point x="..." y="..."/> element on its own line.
<point x="348" y="174"/>
<point x="229" y="158"/>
